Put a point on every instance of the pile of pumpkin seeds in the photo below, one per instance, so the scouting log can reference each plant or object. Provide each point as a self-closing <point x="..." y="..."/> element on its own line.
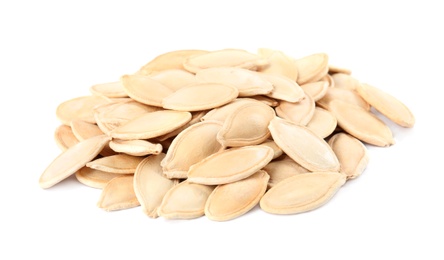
<point x="215" y="133"/>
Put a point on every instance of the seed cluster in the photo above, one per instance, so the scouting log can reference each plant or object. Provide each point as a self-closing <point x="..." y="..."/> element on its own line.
<point x="216" y="133"/>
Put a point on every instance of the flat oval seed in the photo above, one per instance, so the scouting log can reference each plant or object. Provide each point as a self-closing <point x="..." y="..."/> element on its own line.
<point x="111" y="90"/>
<point x="284" y="88"/>
<point x="279" y="64"/>
<point x="221" y="113"/>
<point x="135" y="147"/>
<point x="282" y="169"/>
<point x="247" y="126"/>
<point x="169" y="60"/>
<point x="71" y="160"/>
<point x="388" y="105"/>
<point x="175" y="79"/>
<point x="224" y="58"/>
<point x="349" y="96"/>
<point x="64" y="137"/>
<point x="151" y="125"/>
<point x="298" y="113"/>
<point x="361" y="123"/>
<point x="345" y="81"/>
<point x="199" y="97"/>
<point x="118" y="194"/>
<point x="327" y="78"/>
<point x="276" y="149"/>
<point x="145" y="89"/>
<point x="351" y="153"/>
<point x="249" y="83"/>
<point x="79" y="108"/>
<point x="266" y="100"/>
<point x="94" y="178"/>
<point x="323" y="123"/>
<point x="119" y="113"/>
<point x="230" y="165"/>
<point x="150" y="185"/>
<point x="303" y="146"/>
<point x="316" y="90"/>
<point x="242" y="196"/>
<point x="312" y="68"/>
<point x="191" y="146"/>
<point x="301" y="193"/>
<point x="119" y="163"/>
<point x="83" y="130"/>
<point x="195" y="118"/>
<point x="185" y="201"/>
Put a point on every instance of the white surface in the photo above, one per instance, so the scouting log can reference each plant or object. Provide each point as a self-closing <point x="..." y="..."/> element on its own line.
<point x="52" y="51"/>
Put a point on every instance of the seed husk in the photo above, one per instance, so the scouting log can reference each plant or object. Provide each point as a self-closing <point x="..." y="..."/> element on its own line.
<point x="284" y="88"/>
<point x="247" y="126"/>
<point x="388" y="105"/>
<point x="243" y="195"/>
<point x="110" y="90"/>
<point x="145" y="89"/>
<point x="276" y="149"/>
<point x="279" y="64"/>
<point x="303" y="146"/>
<point x="118" y="163"/>
<point x="323" y="123"/>
<point x="224" y="58"/>
<point x="361" y="123"/>
<point x="71" y="160"/>
<point x="64" y="137"/>
<point x="135" y="147"/>
<point x="151" y="185"/>
<point x="185" y="201"/>
<point x="247" y="82"/>
<point x="175" y="79"/>
<point x="302" y="192"/>
<point x="118" y="194"/>
<point x="311" y="68"/>
<point x="351" y="153"/>
<point x="282" y="169"/>
<point x="230" y="165"/>
<point x="79" y="108"/>
<point x="346" y="95"/>
<point x="151" y="125"/>
<point x="202" y="96"/>
<point x="345" y="81"/>
<point x="316" y="90"/>
<point x="94" y="178"/>
<point x="298" y="113"/>
<point x="199" y="138"/>
<point x="83" y="130"/>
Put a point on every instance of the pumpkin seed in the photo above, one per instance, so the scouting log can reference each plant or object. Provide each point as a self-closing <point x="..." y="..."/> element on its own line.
<point x="79" y="108"/>
<point x="111" y="90"/>
<point x="145" y="89"/>
<point x="311" y="68"/>
<point x="284" y="88"/>
<point x="345" y="95"/>
<point x="64" y="137"/>
<point x="345" y="81"/>
<point x="282" y="169"/>
<point x="323" y="123"/>
<point x="94" y="178"/>
<point x="298" y="113"/>
<point x="119" y="163"/>
<point x="316" y="90"/>
<point x="135" y="147"/>
<point x="174" y="79"/>
<point x="243" y="195"/>
<point x="118" y="194"/>
<point x="279" y="64"/>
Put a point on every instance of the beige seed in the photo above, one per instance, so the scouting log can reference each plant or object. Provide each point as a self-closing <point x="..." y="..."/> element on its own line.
<point x="145" y="89"/>
<point x="224" y="58"/>
<point x="199" y="97"/>
<point x="276" y="149"/>
<point x="119" y="113"/>
<point x="361" y="123"/>
<point x="110" y="90"/>
<point x="388" y="105"/>
<point x="190" y="147"/>
<point x="94" y="178"/>
<point x="351" y="153"/>
<point x="195" y="118"/>
<point x="284" y="88"/>
<point x="185" y="201"/>
<point x="346" y="95"/>
<point x="242" y="196"/>
<point x="248" y="83"/>
<point x="168" y="61"/>
<point x="71" y="160"/>
<point x="279" y="64"/>
<point x="303" y="146"/>
<point x="345" y="81"/>
<point x="282" y="169"/>
<point x="135" y="147"/>
<point x="118" y="194"/>
<point x="175" y="79"/>
<point x="316" y="90"/>
<point x="64" y="137"/>
<point x="230" y="165"/>
<point x="151" y="125"/>
<point x="221" y="113"/>
<point x="323" y="123"/>
<point x="266" y="100"/>
<point x="119" y="163"/>
<point x="327" y="78"/>
<point x="247" y="126"/>
<point x="150" y="185"/>
<point x="302" y="192"/>
<point x="83" y="130"/>
<point x="79" y="108"/>
<point x="312" y="68"/>
<point x="298" y="113"/>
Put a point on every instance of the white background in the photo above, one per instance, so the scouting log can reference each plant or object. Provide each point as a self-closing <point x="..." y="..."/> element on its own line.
<point x="51" y="51"/>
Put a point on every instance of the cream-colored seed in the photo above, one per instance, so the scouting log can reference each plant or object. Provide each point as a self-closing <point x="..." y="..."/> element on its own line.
<point x="64" y="137"/>
<point x="346" y="95"/>
<point x="323" y="123"/>
<point x="119" y="163"/>
<point x="95" y="178"/>
<point x="83" y="130"/>
<point x="135" y="147"/>
<point x="345" y="81"/>
<point x="312" y="68"/>
<point x="175" y="79"/>
<point x="298" y="113"/>
<point x="111" y="90"/>
<point x="282" y="169"/>
<point x="145" y="89"/>
<point x="284" y="88"/>
<point x="279" y="64"/>
<point x="118" y="194"/>
<point x="79" y="108"/>
<point x="316" y="90"/>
